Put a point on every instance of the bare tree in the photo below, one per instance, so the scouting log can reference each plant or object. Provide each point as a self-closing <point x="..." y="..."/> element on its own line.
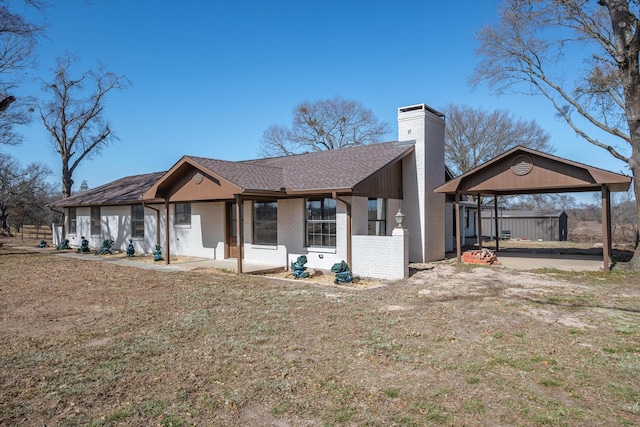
<point x="18" y="40"/>
<point x="535" y="48"/>
<point x="323" y="125"/>
<point x="19" y="186"/>
<point x="74" y="116"/>
<point x="474" y="136"/>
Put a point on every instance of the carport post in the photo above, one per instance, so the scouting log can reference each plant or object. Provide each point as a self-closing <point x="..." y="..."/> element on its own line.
<point x="606" y="228"/>
<point x="479" y="222"/>
<point x="495" y="209"/>
<point x="458" y="239"/>
<point x="239" y="237"/>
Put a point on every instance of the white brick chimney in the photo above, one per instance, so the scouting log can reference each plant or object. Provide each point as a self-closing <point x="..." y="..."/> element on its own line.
<point x="423" y="171"/>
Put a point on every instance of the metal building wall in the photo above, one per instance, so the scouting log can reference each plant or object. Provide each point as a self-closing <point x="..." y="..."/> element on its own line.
<point x="530" y="228"/>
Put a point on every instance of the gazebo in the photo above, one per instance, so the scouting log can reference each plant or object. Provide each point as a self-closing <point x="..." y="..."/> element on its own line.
<point x="522" y="170"/>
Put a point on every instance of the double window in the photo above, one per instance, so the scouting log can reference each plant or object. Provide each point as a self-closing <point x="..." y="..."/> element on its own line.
<point x="182" y="214"/>
<point x="73" y="221"/>
<point x="321" y="222"/>
<point x="96" y="224"/>
<point x="137" y="221"/>
<point x="265" y="223"/>
<point x="377" y="217"/>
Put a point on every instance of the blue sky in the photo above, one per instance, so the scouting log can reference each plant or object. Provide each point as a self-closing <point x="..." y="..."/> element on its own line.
<point x="208" y="77"/>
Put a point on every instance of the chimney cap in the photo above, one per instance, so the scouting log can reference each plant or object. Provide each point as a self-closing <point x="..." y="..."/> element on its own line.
<point x="419" y="107"/>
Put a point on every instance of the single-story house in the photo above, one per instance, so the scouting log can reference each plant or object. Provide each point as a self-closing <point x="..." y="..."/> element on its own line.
<point x="329" y="206"/>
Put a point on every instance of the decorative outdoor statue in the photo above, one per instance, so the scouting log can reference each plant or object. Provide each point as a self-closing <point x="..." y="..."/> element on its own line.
<point x="63" y="245"/>
<point x="84" y="245"/>
<point x="157" y="254"/>
<point x="106" y="247"/>
<point x="130" y="249"/>
<point x="299" y="268"/>
<point x="343" y="275"/>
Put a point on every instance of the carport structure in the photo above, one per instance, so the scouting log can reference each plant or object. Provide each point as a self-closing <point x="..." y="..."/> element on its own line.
<point x="525" y="171"/>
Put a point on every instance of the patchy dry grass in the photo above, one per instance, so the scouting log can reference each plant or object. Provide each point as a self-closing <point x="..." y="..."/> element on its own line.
<point x="90" y="343"/>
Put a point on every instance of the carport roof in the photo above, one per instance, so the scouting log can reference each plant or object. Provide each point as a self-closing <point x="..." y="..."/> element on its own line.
<point x="522" y="170"/>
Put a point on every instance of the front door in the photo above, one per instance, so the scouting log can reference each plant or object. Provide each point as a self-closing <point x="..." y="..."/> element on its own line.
<point x="232" y="230"/>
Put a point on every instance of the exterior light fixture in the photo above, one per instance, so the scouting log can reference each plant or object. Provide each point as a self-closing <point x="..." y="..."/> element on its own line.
<point x="399" y="218"/>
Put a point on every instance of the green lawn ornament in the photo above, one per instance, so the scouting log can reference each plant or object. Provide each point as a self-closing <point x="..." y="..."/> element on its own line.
<point x="157" y="254"/>
<point x="43" y="244"/>
<point x="130" y="249"/>
<point x="84" y="245"/>
<point x="299" y="268"/>
<point x="342" y="272"/>
<point x="106" y="247"/>
<point x="63" y="245"/>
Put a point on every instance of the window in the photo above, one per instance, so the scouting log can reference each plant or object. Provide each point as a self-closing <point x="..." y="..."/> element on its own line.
<point x="377" y="217"/>
<point x="321" y="222"/>
<point x="137" y="221"/>
<point x="73" y="221"/>
<point x="183" y="213"/>
<point x="265" y="223"/>
<point x="95" y="221"/>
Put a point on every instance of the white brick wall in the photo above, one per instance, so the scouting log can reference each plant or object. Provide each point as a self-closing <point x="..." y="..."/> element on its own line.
<point x="383" y="257"/>
<point x="422" y="172"/>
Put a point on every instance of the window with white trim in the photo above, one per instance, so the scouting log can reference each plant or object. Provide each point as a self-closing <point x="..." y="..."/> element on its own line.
<point x="321" y="223"/>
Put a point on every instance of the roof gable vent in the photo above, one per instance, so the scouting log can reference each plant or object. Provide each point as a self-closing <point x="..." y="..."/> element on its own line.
<point x="522" y="165"/>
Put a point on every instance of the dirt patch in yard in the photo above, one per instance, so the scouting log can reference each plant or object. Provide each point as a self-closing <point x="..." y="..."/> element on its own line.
<point x="94" y="343"/>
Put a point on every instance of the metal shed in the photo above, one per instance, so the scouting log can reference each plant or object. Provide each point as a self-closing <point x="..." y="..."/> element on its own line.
<point x="544" y="225"/>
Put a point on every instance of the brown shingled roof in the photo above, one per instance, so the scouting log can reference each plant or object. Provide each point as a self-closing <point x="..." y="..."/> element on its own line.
<point x="323" y="170"/>
<point x="122" y="191"/>
<point x="343" y="168"/>
<point x="245" y="175"/>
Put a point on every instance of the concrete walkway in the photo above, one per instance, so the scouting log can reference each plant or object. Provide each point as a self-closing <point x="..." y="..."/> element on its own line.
<point x="190" y="264"/>
<point x="531" y="261"/>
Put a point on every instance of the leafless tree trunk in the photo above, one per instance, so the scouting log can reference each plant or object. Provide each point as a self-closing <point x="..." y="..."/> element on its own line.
<point x="528" y="50"/>
<point x="75" y="121"/>
<point x="18" y="39"/>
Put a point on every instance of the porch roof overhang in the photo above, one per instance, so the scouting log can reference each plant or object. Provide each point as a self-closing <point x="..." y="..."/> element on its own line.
<point x="189" y="180"/>
<point x="522" y="170"/>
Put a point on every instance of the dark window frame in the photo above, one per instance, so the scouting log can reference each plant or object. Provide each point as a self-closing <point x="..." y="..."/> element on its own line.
<point x="73" y="220"/>
<point x="182" y="213"/>
<point x="265" y="222"/>
<point x="137" y="222"/>
<point x="377" y="218"/>
<point x="96" y="221"/>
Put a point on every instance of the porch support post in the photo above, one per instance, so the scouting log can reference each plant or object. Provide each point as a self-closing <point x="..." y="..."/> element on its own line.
<point x="479" y="222"/>
<point x="606" y="228"/>
<point x="166" y="229"/>
<point x="65" y="218"/>
<point x="495" y="207"/>
<point x="457" y="219"/>
<point x="334" y="195"/>
<point x="239" y="237"/>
